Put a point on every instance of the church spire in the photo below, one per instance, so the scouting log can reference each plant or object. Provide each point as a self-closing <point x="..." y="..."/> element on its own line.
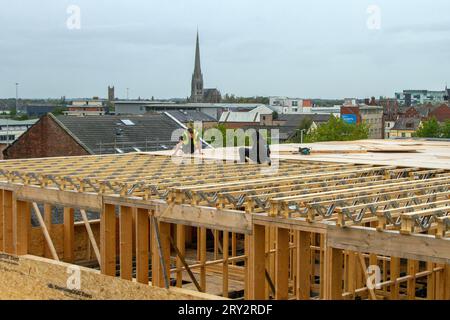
<point x="197" y="69"/>
<point x="197" y="77"/>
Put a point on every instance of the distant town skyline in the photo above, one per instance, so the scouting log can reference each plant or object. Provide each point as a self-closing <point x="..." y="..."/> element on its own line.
<point x="321" y="49"/>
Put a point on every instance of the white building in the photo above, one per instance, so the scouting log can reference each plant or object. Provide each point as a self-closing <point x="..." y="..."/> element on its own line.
<point x="10" y="130"/>
<point x="285" y="105"/>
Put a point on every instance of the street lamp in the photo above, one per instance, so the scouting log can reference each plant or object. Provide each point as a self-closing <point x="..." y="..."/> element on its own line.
<point x="301" y="134"/>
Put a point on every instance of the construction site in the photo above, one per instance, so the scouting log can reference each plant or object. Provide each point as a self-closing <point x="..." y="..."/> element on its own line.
<point x="356" y="220"/>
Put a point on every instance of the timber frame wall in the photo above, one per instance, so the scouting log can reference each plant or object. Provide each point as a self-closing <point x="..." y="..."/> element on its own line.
<point x="308" y="232"/>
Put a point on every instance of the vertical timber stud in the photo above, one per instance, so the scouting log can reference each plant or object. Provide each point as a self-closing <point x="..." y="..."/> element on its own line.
<point x="282" y="264"/>
<point x="142" y="244"/>
<point x="126" y="242"/>
<point x="226" y="247"/>
<point x="108" y="240"/>
<point x="334" y="260"/>
<point x="181" y="245"/>
<point x="203" y="258"/>
<point x="257" y="264"/>
<point x="304" y="267"/>
<point x="1" y="220"/>
<point x="21" y="212"/>
<point x="8" y="239"/>
<point x="69" y="235"/>
<point x="157" y="268"/>
<point x="394" y="275"/>
<point x="48" y="225"/>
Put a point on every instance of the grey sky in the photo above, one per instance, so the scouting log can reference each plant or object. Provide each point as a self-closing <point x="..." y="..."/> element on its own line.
<point x="320" y="48"/>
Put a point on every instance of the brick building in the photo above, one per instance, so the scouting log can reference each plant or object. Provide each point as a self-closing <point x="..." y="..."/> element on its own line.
<point x="56" y="136"/>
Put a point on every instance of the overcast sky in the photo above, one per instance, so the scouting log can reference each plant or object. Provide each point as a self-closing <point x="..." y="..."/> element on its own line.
<point x="310" y="49"/>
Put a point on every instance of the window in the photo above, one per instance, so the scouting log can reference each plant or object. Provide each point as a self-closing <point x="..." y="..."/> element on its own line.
<point x="295" y="103"/>
<point x="403" y="135"/>
<point x="127" y="122"/>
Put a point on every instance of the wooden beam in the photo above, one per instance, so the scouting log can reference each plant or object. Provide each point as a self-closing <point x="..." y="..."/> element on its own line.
<point x="390" y="243"/>
<point x="304" y="265"/>
<point x="160" y="245"/>
<point x="226" y="251"/>
<point x="8" y="222"/>
<point x="91" y="233"/>
<point x="22" y="219"/>
<point x="413" y="268"/>
<point x="48" y="224"/>
<point x="126" y="243"/>
<point x="108" y="240"/>
<point x="281" y="264"/>
<point x="1" y="220"/>
<point x="69" y="235"/>
<point x="394" y="275"/>
<point x="48" y="240"/>
<point x="181" y="246"/>
<point x="142" y="245"/>
<point x="258" y="263"/>
<point x="202" y="245"/>
<point x="334" y="260"/>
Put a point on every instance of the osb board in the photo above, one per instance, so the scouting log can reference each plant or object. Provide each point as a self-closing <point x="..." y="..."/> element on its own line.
<point x="34" y="278"/>
<point x="83" y="249"/>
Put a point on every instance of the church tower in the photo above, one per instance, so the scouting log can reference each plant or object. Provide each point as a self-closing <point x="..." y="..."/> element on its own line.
<point x="197" y="78"/>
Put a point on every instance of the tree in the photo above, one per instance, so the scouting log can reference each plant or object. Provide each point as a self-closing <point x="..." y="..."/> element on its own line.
<point x="274" y="115"/>
<point x="429" y="129"/>
<point x="337" y="129"/>
<point x="304" y="125"/>
<point x="446" y="129"/>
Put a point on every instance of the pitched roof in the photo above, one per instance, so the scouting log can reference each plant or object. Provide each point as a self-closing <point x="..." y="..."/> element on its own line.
<point x="406" y="124"/>
<point x="230" y="116"/>
<point x="113" y="134"/>
<point x="441" y="113"/>
<point x="294" y="120"/>
<point x="190" y="116"/>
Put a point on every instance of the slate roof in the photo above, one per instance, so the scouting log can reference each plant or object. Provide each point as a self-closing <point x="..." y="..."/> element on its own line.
<point x="406" y="124"/>
<point x="294" y="120"/>
<point x="120" y="134"/>
<point x="190" y="116"/>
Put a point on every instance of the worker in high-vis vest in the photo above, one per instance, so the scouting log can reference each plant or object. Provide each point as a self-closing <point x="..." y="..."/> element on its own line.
<point x="189" y="142"/>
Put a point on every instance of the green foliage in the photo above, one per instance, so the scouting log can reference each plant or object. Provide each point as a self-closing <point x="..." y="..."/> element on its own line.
<point x="305" y="124"/>
<point x="231" y="98"/>
<point x="59" y="111"/>
<point x="446" y="129"/>
<point x="337" y="129"/>
<point x="432" y="129"/>
<point x="274" y="115"/>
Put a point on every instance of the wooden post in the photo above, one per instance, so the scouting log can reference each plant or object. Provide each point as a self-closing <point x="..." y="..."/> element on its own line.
<point x="226" y="247"/>
<point x="22" y="219"/>
<point x="203" y="258"/>
<point x="142" y="244"/>
<point x="281" y="264"/>
<point x="181" y="245"/>
<point x="126" y="242"/>
<point x="304" y="266"/>
<point x="413" y="268"/>
<point x="431" y="281"/>
<point x="333" y="273"/>
<point x="257" y="263"/>
<point x="157" y="271"/>
<point x="446" y="282"/>
<point x="48" y="225"/>
<point x="1" y="220"/>
<point x="8" y="237"/>
<point x="394" y="275"/>
<point x="69" y="235"/>
<point x="108" y="240"/>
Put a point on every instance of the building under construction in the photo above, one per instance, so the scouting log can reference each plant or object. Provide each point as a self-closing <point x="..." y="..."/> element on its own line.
<point x="338" y="224"/>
